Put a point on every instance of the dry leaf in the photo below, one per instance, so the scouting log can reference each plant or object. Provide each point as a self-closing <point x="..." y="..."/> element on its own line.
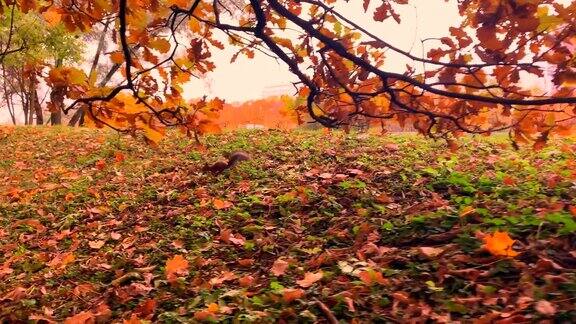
<point x="290" y="294"/>
<point x="175" y="267"/>
<point x="499" y="244"/>
<point x="310" y="279"/>
<point x="279" y="267"/>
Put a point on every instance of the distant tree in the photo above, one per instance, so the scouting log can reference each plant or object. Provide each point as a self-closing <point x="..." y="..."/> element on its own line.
<point x="22" y="71"/>
<point x="471" y="83"/>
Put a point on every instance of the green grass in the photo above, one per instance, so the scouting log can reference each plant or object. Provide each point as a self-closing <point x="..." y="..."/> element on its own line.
<point x="340" y="203"/>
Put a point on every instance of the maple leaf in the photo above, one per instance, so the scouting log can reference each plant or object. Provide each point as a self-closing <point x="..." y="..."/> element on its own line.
<point x="132" y="320"/>
<point x="310" y="279"/>
<point x="499" y="244"/>
<point x="175" y="267"/>
<point x="146" y="308"/>
<point x="279" y="267"/>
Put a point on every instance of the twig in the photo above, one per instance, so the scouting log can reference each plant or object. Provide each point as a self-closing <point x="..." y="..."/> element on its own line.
<point x="331" y="318"/>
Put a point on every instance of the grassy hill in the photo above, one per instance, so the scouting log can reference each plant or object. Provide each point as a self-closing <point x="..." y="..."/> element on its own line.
<point x="95" y="226"/>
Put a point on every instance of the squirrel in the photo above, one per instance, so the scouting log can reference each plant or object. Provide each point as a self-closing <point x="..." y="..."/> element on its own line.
<point x="221" y="166"/>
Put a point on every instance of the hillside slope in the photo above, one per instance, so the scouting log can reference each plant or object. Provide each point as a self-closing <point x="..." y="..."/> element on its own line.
<point x="317" y="227"/>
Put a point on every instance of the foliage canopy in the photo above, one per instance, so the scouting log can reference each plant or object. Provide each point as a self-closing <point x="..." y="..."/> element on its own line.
<point x="471" y="83"/>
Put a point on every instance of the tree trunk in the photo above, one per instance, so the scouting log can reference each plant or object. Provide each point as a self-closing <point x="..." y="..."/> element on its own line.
<point x="57" y="101"/>
<point x="8" y="97"/>
<point x="35" y="102"/>
<point x="78" y="116"/>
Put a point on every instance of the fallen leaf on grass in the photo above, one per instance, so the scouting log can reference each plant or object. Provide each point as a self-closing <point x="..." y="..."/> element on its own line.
<point x="310" y="279"/>
<point x="62" y="260"/>
<point x="96" y="244"/>
<point x="430" y="252"/>
<point x="100" y="165"/>
<point x="246" y="281"/>
<point x="290" y="294"/>
<point x="15" y="295"/>
<point x="227" y="237"/>
<point x="226" y="276"/>
<point x="80" y="318"/>
<point x="545" y="307"/>
<point x="175" y="267"/>
<point x="369" y="277"/>
<point x="499" y="244"/>
<point x="222" y="204"/>
<point x="279" y="267"/>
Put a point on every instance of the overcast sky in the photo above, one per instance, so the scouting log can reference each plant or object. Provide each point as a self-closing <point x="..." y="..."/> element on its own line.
<point x="248" y="79"/>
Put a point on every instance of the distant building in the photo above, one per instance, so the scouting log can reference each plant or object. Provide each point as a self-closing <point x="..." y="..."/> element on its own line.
<point x="278" y="90"/>
<point x="254" y="126"/>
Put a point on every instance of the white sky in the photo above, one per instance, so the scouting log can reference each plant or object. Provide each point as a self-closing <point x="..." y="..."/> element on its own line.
<point x="248" y="79"/>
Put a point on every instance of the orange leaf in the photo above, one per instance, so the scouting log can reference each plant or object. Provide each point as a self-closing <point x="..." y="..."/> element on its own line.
<point x="310" y="279"/>
<point x="117" y="57"/>
<point x="369" y="277"/>
<point x="509" y="181"/>
<point x="52" y="16"/>
<point x="279" y="267"/>
<point x="119" y="157"/>
<point x="499" y="244"/>
<point x="96" y="244"/>
<point x="175" y="267"/>
<point x="204" y="315"/>
<point x="100" y="165"/>
<point x="545" y="307"/>
<point x="246" y="281"/>
<point x="80" y="318"/>
<point x="222" y="204"/>
<point x="213" y="307"/>
<point x="132" y="320"/>
<point x="289" y="294"/>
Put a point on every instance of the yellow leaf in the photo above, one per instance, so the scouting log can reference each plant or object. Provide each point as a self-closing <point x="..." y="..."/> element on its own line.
<point x="160" y="44"/>
<point x="52" y="16"/>
<point x="194" y="25"/>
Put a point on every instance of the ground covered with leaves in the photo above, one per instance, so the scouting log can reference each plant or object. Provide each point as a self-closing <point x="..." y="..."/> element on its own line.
<point x="317" y="227"/>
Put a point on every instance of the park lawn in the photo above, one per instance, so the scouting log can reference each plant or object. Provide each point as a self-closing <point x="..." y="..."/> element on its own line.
<point x="318" y="226"/>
